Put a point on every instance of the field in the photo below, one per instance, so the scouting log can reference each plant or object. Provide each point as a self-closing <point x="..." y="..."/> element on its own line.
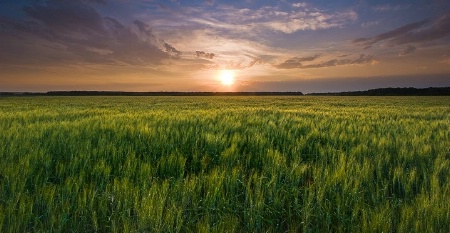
<point x="225" y="164"/>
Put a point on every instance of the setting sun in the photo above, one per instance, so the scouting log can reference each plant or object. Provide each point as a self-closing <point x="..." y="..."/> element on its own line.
<point x="226" y="77"/>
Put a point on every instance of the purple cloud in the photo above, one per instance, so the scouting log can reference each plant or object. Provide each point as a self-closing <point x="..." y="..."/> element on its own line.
<point x="74" y="32"/>
<point x="390" y="35"/>
<point x="437" y="30"/>
<point x="417" y="32"/>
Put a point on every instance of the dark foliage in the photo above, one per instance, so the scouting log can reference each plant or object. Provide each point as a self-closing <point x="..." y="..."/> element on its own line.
<point x="410" y="91"/>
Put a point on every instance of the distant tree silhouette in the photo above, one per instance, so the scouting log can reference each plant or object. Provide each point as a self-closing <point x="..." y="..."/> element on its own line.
<point x="409" y="91"/>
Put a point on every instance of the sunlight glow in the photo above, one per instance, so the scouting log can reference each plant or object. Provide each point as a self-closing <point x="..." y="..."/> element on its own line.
<point x="226" y="77"/>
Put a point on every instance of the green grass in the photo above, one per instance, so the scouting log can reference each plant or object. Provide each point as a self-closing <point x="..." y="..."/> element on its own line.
<point x="225" y="164"/>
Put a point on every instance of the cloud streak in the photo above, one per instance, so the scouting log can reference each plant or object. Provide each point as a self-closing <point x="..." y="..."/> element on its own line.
<point x="298" y="63"/>
<point x="368" y="42"/>
<point x="417" y="32"/>
<point x="390" y="7"/>
<point x="276" y="19"/>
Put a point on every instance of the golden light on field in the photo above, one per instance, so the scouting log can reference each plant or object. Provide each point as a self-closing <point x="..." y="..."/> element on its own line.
<point x="226" y="77"/>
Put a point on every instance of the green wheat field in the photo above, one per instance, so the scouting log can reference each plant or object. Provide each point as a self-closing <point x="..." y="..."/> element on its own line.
<point x="225" y="164"/>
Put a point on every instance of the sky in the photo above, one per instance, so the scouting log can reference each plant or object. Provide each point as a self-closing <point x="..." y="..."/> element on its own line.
<point x="214" y="45"/>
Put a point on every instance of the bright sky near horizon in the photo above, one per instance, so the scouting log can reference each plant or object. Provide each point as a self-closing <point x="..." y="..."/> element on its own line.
<point x="214" y="45"/>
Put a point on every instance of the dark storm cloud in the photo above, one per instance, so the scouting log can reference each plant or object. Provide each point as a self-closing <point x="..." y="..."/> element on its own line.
<point x="201" y="54"/>
<point x="290" y="64"/>
<point x="417" y="32"/>
<point x="74" y="32"/>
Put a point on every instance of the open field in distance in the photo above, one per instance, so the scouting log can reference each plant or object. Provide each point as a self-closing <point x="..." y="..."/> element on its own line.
<point x="225" y="164"/>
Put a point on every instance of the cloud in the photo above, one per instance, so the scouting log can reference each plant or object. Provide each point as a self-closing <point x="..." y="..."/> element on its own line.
<point x="390" y="7"/>
<point x="62" y="31"/>
<point x="298" y="63"/>
<point x="238" y="63"/>
<point x="300" y="21"/>
<point x="410" y="49"/>
<point x="391" y="34"/>
<point x="256" y="61"/>
<point x="201" y="54"/>
<point x="241" y="65"/>
<point x="66" y="16"/>
<point x="370" y="24"/>
<point x="274" y="19"/>
<point x="437" y="30"/>
<point x="300" y="5"/>
<point x="209" y="2"/>
<point x="417" y="32"/>
<point x="171" y="50"/>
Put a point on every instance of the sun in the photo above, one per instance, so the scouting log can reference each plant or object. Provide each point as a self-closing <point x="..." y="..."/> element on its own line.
<point x="226" y="77"/>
